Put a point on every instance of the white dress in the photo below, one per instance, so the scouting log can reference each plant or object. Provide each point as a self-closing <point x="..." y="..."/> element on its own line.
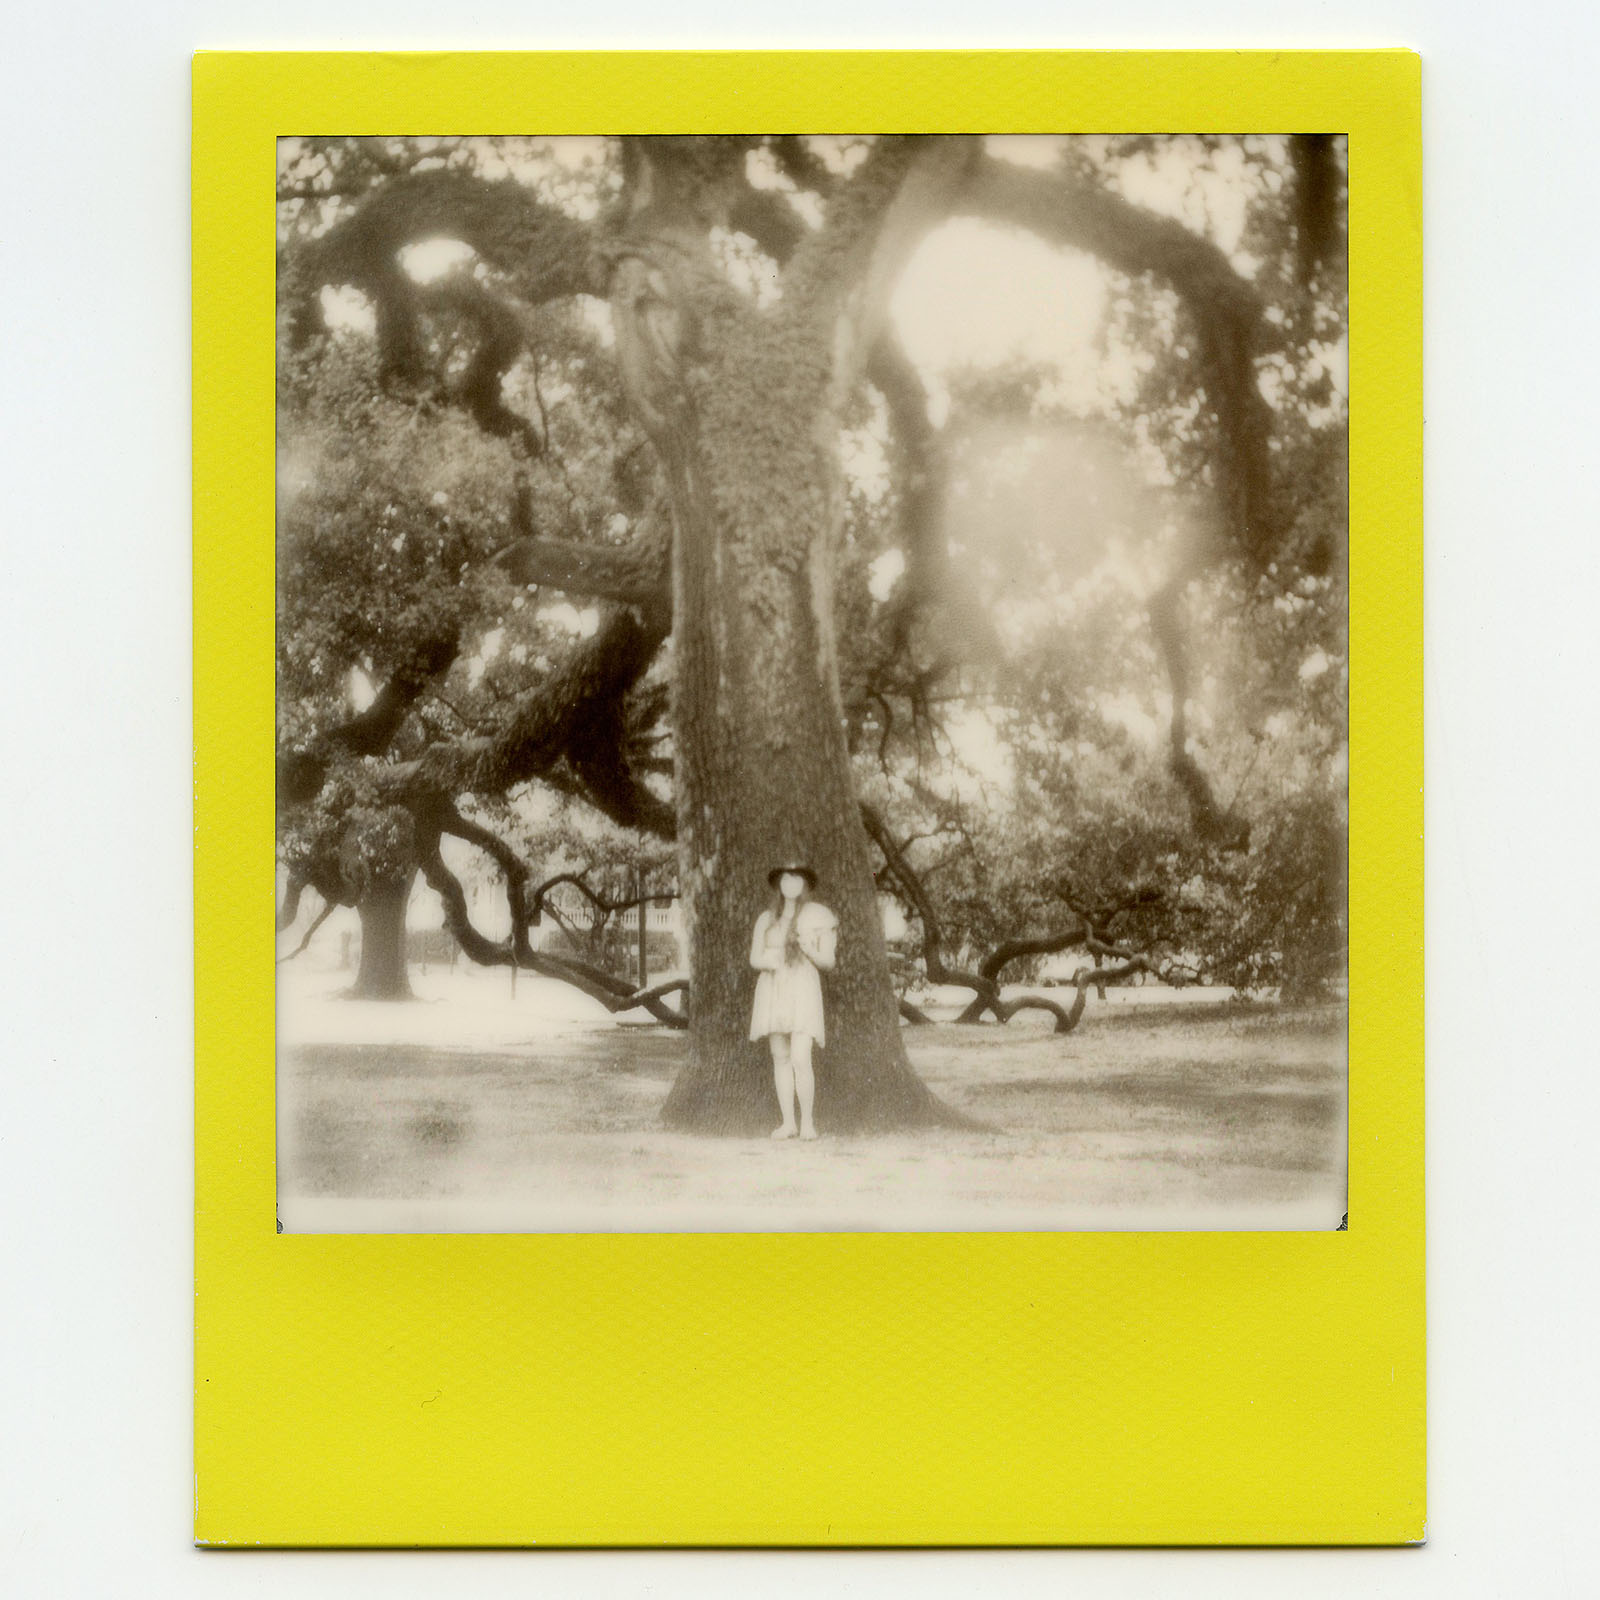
<point x="789" y="991"/>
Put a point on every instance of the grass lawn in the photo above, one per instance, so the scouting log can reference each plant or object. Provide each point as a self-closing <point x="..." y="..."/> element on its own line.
<point x="1147" y="1116"/>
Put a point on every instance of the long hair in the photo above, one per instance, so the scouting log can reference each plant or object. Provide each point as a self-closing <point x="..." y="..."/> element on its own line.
<point x="775" y="904"/>
<point x="791" y="948"/>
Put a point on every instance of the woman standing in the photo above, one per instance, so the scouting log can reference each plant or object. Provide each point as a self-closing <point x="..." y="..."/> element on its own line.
<point x="795" y="940"/>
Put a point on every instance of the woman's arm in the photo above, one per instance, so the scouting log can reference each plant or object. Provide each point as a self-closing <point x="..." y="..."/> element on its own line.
<point x="819" y="940"/>
<point x="762" y="959"/>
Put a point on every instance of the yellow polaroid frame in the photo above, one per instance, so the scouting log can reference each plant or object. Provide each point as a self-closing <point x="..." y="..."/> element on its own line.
<point x="797" y="1389"/>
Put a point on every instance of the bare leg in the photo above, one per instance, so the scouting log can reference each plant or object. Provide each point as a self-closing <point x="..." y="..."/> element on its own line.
<point x="805" y="1084"/>
<point x="783" y="1082"/>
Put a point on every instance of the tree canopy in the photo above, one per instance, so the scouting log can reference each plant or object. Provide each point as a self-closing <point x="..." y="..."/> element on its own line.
<point x="605" y="468"/>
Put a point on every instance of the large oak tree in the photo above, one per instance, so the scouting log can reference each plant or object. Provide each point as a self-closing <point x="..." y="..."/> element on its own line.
<point x="748" y="283"/>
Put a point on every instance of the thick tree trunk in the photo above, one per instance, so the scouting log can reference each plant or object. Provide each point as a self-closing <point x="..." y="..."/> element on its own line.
<point x="762" y="768"/>
<point x="743" y="408"/>
<point x="382" y="973"/>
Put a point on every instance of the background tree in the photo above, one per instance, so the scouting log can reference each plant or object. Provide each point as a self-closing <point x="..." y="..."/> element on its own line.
<point x="423" y="543"/>
<point x="1137" y="617"/>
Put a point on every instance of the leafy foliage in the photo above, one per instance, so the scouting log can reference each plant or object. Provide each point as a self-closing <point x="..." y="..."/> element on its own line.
<point x="1063" y="523"/>
<point x="1009" y="703"/>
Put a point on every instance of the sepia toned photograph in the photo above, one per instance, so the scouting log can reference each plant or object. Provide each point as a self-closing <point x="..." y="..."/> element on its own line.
<point x="812" y="683"/>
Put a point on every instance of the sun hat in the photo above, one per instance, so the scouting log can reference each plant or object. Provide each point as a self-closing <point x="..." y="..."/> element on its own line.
<point x="799" y="868"/>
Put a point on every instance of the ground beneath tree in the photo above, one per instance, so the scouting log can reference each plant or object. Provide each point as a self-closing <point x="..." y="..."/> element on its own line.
<point x="473" y="1110"/>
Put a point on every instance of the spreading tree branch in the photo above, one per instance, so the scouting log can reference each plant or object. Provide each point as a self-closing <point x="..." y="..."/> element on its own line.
<point x="1212" y="822"/>
<point x="985" y="983"/>
<point x="1317" y="182"/>
<point x="635" y="573"/>
<point x="842" y="276"/>
<point x="806" y="170"/>
<point x="600" y="902"/>
<point x="770" y="220"/>
<point x="500" y="340"/>
<point x="537" y="250"/>
<point x="1225" y="311"/>
<point x="316" y="922"/>
<point x="994" y="964"/>
<point x="290" y="908"/>
<point x="614" y="993"/>
<point x="574" y="715"/>
<point x="921" y="481"/>
<point x="932" y="932"/>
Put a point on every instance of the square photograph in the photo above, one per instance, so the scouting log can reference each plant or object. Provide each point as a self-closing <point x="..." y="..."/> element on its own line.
<point x="812" y="682"/>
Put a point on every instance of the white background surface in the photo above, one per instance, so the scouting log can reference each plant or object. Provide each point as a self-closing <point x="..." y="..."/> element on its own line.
<point x="95" y="1117"/>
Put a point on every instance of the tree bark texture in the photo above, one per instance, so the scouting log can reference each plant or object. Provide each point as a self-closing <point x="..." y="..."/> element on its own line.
<point x="763" y="776"/>
<point x="382" y="973"/>
<point x="743" y="409"/>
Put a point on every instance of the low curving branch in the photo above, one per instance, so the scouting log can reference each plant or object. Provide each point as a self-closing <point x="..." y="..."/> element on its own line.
<point x="1085" y="978"/>
<point x="316" y="922"/>
<point x="290" y="908"/>
<point x="567" y="717"/>
<point x="614" y="993"/>
<point x="1066" y="1018"/>
<point x="599" y="901"/>
<point x="911" y="885"/>
<point x="985" y="983"/>
<point x="994" y="964"/>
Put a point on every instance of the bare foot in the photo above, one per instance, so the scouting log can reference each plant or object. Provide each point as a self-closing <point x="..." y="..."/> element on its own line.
<point x="808" y="1133"/>
<point x="785" y="1132"/>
